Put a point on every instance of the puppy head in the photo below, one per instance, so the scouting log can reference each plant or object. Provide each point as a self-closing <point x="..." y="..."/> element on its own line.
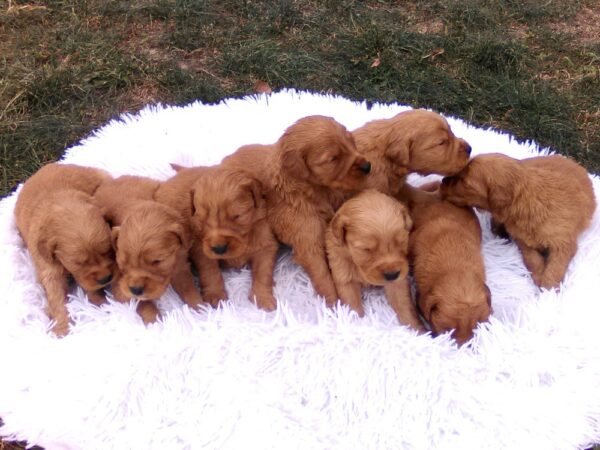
<point x="78" y="237"/>
<point x="487" y="182"/>
<point x="422" y="141"/>
<point x="148" y="243"/>
<point x="374" y="229"/>
<point x="320" y="151"/>
<point x="227" y="204"/>
<point x="458" y="303"/>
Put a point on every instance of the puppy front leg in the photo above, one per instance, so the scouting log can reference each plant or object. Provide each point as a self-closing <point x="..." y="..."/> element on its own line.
<point x="263" y="263"/>
<point x="557" y="261"/>
<point x="147" y="311"/>
<point x="398" y="295"/>
<point x="306" y="235"/>
<point x="182" y="281"/>
<point x="211" y="280"/>
<point x="54" y="281"/>
<point x="96" y="297"/>
<point x="351" y="294"/>
<point x="533" y="260"/>
<point x="312" y="258"/>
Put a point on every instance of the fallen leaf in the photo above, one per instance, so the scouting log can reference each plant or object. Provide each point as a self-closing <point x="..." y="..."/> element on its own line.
<point x="376" y="62"/>
<point x="262" y="87"/>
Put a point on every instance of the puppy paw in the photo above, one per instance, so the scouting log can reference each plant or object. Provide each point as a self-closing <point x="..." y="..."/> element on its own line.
<point x="61" y="328"/>
<point x="264" y="301"/>
<point x="213" y="298"/>
<point x="148" y="311"/>
<point x="193" y="300"/>
<point x="96" y="297"/>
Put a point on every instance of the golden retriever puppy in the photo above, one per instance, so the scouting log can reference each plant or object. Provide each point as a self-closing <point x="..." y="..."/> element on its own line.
<point x="413" y="141"/>
<point x="66" y="233"/>
<point x="152" y="242"/>
<point x="367" y="244"/>
<point x="230" y="226"/>
<point x="543" y="203"/>
<point x="447" y="264"/>
<point x="307" y="174"/>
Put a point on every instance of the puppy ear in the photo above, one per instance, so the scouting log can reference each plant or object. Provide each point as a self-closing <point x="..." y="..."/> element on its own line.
<point x="114" y="236"/>
<point x="293" y="160"/>
<point x="427" y="305"/>
<point x="182" y="233"/>
<point x="192" y="206"/>
<point x="46" y="246"/>
<point x="398" y="152"/>
<point x="338" y="228"/>
<point x="499" y="198"/>
<point x="488" y="296"/>
<point x="256" y="189"/>
<point x="408" y="222"/>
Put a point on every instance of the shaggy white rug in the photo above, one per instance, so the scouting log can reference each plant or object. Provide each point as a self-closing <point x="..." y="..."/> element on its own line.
<point x="303" y="377"/>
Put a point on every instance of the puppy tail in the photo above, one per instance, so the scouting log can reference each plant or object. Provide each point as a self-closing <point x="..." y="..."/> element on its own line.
<point x="177" y="167"/>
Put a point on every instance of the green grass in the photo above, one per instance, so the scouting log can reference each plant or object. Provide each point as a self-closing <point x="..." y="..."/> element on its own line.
<point x="529" y="68"/>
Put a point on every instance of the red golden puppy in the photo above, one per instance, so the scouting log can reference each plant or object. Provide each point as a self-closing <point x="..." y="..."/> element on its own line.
<point x="66" y="233"/>
<point x="367" y="243"/>
<point x="413" y="141"/>
<point x="445" y="251"/>
<point x="229" y="220"/>
<point x="307" y="174"/>
<point x="544" y="203"/>
<point x="152" y="242"/>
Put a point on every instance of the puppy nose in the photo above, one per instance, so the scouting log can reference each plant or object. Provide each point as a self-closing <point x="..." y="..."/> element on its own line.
<point x="219" y="249"/>
<point x="446" y="181"/>
<point x="391" y="276"/>
<point x="105" y="280"/>
<point x="468" y="150"/>
<point x="365" y="167"/>
<point x="136" y="290"/>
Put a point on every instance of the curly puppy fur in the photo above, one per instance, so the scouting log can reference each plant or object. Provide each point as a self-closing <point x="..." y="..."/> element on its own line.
<point x="447" y="263"/>
<point x="66" y="233"/>
<point x="413" y="141"/>
<point x="543" y="203"/>
<point x="367" y="244"/>
<point x="307" y="174"/>
<point x="152" y="242"/>
<point x="229" y="222"/>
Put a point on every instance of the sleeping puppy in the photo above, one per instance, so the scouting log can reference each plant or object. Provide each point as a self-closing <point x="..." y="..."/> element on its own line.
<point x="66" y="233"/>
<point x="367" y="243"/>
<point x="413" y="141"/>
<point x="447" y="263"/>
<point x="152" y="242"/>
<point x="543" y="203"/>
<point x="229" y="223"/>
<point x="307" y="174"/>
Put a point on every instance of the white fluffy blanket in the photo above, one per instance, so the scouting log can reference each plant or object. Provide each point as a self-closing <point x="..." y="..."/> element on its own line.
<point x="303" y="377"/>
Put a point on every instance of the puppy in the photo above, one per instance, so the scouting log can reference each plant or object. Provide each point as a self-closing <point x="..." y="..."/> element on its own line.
<point x="413" y="141"/>
<point x="66" y="233"/>
<point x="447" y="264"/>
<point x="543" y="203"/>
<point x="367" y="243"/>
<point x="152" y="242"/>
<point x="307" y="174"/>
<point x="229" y="222"/>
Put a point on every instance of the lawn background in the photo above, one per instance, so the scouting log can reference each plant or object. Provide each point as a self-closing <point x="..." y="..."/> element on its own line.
<point x="526" y="67"/>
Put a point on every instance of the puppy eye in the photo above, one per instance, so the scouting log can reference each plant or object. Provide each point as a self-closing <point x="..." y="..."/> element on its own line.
<point x="156" y="262"/>
<point x="443" y="142"/>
